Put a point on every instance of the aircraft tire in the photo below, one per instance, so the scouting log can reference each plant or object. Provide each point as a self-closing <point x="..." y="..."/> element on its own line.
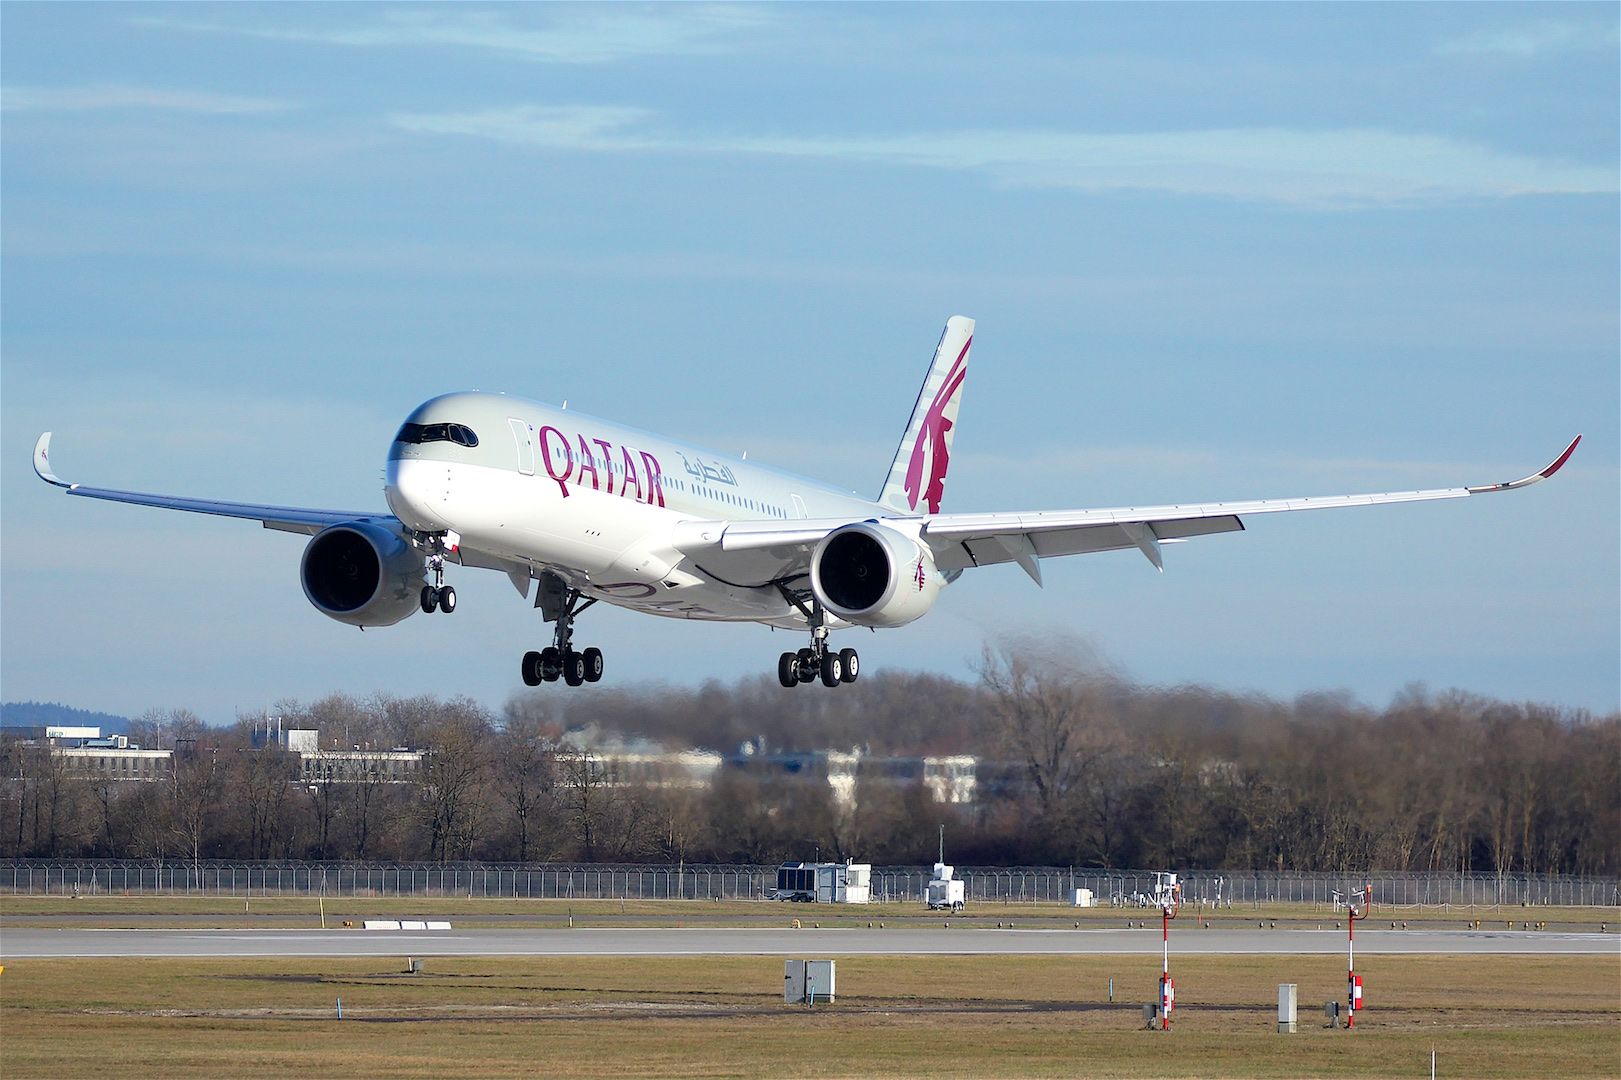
<point x="832" y="669"/>
<point x="593" y="664"/>
<point x="852" y="664"/>
<point x="447" y="599"/>
<point x="429" y="599"/>
<point x="531" y="668"/>
<point x="788" y="670"/>
<point x="807" y="665"/>
<point x="573" y="668"/>
<point x="551" y="663"/>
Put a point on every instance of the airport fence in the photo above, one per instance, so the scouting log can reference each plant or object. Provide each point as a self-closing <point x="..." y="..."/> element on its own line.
<point x="1005" y="885"/>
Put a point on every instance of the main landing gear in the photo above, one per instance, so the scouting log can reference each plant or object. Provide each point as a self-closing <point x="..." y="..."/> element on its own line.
<point x="818" y="661"/>
<point x="438" y="596"/>
<point x="561" y="604"/>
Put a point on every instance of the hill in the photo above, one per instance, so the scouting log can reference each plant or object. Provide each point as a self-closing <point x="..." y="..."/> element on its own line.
<point x="38" y="713"/>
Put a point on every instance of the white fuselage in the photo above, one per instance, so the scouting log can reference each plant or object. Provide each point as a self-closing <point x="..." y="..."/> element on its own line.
<point x="603" y="505"/>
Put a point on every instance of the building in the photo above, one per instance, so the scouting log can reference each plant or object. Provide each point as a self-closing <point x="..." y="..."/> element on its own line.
<point x="685" y="769"/>
<point x="107" y="759"/>
<point x="397" y="766"/>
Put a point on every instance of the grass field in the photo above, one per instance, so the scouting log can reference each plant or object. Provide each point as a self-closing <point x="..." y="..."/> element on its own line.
<point x="935" y="1016"/>
<point x="723" y="1016"/>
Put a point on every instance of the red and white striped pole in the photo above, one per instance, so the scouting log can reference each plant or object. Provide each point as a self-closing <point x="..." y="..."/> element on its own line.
<point x="1166" y="994"/>
<point x="1167" y="987"/>
<point x="1353" y="982"/>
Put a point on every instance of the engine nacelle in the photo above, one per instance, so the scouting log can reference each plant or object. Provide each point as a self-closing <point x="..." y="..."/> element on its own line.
<point x="362" y="574"/>
<point x="871" y="575"/>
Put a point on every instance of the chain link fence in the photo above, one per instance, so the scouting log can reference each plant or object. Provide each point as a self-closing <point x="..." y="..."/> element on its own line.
<point x="1006" y="885"/>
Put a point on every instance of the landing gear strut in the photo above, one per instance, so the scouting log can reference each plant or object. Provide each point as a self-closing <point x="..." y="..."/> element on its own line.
<point x="560" y="604"/>
<point x="438" y="595"/>
<point x="818" y="660"/>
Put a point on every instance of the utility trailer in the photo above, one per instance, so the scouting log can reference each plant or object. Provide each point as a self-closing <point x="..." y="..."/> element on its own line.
<point x="824" y="883"/>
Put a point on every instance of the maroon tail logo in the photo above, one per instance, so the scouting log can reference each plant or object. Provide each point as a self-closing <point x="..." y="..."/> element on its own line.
<point x="931" y="439"/>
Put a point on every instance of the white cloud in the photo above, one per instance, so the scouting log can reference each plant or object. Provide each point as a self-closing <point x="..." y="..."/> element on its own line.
<point x="1344" y="168"/>
<point x="560" y="127"/>
<point x="571" y="34"/>
<point x="84" y="98"/>
<point x="1533" y="39"/>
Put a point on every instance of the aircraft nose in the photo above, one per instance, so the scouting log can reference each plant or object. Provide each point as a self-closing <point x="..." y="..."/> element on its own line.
<point x="417" y="491"/>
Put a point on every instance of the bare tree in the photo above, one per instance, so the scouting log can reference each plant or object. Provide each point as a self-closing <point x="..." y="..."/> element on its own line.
<point x="195" y="789"/>
<point x="452" y="777"/>
<point x="1053" y="717"/>
<point x="526" y="775"/>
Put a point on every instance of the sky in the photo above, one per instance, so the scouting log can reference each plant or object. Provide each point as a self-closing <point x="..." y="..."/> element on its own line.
<point x="1214" y="252"/>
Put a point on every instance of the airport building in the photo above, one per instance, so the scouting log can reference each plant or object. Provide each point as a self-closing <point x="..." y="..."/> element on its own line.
<point x="86" y="752"/>
<point x="395" y="766"/>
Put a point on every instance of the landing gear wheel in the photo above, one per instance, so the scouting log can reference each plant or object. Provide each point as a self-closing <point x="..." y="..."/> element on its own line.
<point x="551" y="663"/>
<point x="807" y="665"/>
<point x="788" y="670"/>
<point x="447" y="599"/>
<point x="558" y="603"/>
<point x="430" y="599"/>
<point x="531" y="668"/>
<point x="832" y="669"/>
<point x="852" y="664"/>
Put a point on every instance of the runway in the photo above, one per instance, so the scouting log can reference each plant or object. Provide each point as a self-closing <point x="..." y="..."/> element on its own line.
<point x="31" y="942"/>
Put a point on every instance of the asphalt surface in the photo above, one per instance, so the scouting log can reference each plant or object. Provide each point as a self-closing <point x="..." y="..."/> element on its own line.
<point x="36" y="942"/>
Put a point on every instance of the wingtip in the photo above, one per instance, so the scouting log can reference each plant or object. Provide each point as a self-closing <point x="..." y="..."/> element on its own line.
<point x="42" y="462"/>
<point x="1536" y="477"/>
<point x="1559" y="462"/>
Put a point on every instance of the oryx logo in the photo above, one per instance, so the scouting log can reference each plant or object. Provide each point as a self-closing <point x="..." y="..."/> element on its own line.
<point x="933" y="437"/>
<point x="920" y="577"/>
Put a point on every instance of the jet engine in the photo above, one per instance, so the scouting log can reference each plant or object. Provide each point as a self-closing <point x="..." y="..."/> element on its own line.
<point x="871" y="575"/>
<point x="363" y="574"/>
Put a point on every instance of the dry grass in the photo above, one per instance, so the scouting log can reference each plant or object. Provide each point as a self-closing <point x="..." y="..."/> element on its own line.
<point x="723" y="1016"/>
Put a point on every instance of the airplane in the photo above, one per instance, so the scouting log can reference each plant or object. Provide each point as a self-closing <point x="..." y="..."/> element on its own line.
<point x="586" y="510"/>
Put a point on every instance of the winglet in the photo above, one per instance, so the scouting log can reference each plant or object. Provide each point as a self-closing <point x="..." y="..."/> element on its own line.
<point x="1536" y="477"/>
<point x="42" y="462"/>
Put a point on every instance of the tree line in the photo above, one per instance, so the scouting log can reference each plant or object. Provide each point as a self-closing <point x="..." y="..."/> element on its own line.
<point x="1078" y="766"/>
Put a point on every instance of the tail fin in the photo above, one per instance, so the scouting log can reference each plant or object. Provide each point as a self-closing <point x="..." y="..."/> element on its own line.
<point x="917" y="477"/>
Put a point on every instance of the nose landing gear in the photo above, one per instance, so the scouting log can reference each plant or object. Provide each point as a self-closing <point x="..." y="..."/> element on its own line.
<point x="439" y="596"/>
<point x="559" y="603"/>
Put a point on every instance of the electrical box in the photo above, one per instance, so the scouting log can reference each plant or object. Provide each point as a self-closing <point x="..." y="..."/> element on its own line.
<point x="805" y="982"/>
<point x="1287" y="1007"/>
<point x="1084" y="898"/>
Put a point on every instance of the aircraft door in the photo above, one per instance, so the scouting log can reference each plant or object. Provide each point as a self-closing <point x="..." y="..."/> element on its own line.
<point x="526" y="445"/>
<point x="799" y="507"/>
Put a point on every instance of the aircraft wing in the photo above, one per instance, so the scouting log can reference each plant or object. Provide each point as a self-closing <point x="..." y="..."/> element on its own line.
<point x="283" y="518"/>
<point x="959" y="541"/>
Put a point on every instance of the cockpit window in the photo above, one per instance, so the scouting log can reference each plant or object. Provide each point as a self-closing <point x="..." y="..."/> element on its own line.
<point x="460" y="434"/>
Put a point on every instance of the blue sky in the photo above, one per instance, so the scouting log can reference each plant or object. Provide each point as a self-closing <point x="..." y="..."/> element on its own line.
<point x="1213" y="251"/>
